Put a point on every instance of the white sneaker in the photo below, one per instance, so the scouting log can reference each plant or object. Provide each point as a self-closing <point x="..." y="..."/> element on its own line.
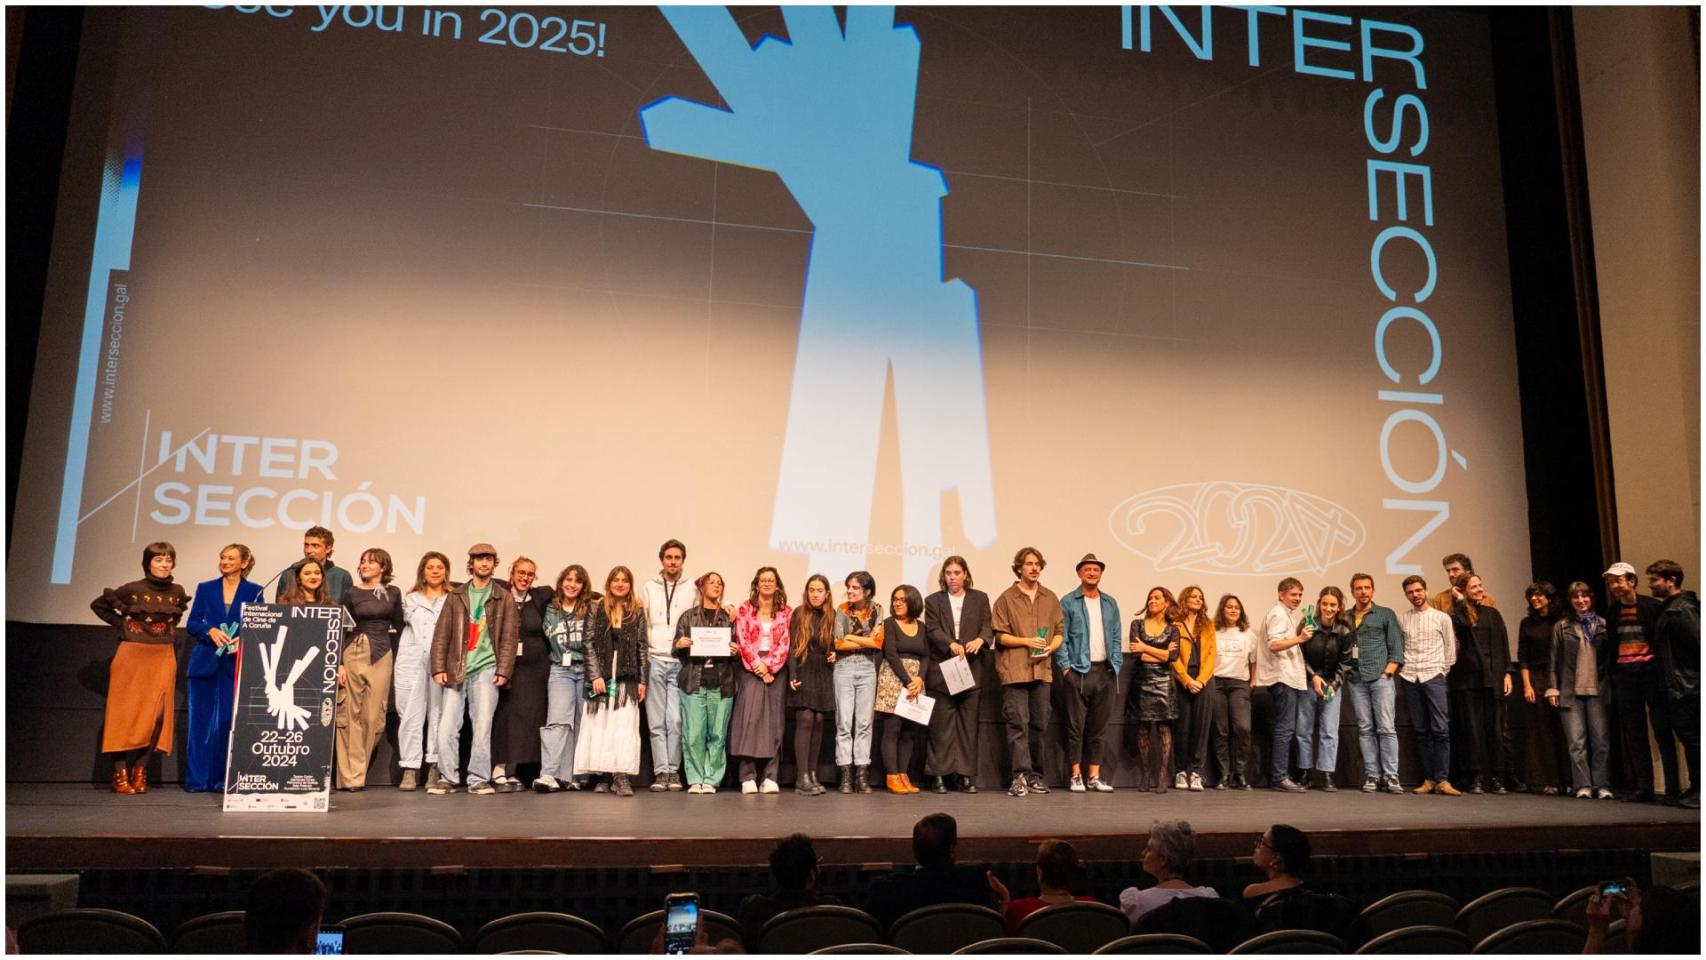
<point x="694" y="788"/>
<point x="748" y="786"/>
<point x="770" y="786"/>
<point x="545" y="783"/>
<point x="1196" y="782"/>
<point x="1181" y="782"/>
<point x="1077" y="785"/>
<point x="1585" y="793"/>
<point x="1606" y="794"/>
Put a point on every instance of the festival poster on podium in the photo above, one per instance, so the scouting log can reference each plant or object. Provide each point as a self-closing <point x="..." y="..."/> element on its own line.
<point x="287" y="682"/>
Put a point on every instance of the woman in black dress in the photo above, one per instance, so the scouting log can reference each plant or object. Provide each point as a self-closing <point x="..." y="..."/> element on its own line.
<point x="811" y="680"/>
<point x="1154" y="641"/>
<point x="524" y="704"/>
<point x="1535" y="730"/>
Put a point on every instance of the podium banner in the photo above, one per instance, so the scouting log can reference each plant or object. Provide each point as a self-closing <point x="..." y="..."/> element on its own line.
<point x="287" y="681"/>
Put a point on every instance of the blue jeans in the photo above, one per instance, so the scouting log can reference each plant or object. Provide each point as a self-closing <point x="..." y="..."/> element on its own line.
<point x="1432" y="720"/>
<point x="1286" y="700"/>
<point x="1588" y="734"/>
<point x="1375" y="703"/>
<point x="663" y="714"/>
<point x="1316" y="716"/>
<point x="855" y="699"/>
<point x="565" y="691"/>
<point x="476" y="699"/>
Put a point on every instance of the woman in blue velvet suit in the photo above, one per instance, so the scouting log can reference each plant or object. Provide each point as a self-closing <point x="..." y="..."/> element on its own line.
<point x="215" y="616"/>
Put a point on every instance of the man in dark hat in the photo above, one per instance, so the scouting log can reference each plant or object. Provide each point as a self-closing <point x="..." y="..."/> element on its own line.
<point x="1089" y="669"/>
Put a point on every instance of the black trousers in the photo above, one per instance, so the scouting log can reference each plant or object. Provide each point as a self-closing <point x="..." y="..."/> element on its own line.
<point x="1641" y="696"/>
<point x="1475" y="726"/>
<point x="1191" y="729"/>
<point x="1685" y="719"/>
<point x="899" y="739"/>
<point x="1229" y="711"/>
<point x="1089" y="699"/>
<point x="953" y="734"/>
<point x="1024" y="707"/>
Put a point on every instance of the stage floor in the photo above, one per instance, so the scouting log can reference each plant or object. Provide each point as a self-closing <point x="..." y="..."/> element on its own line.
<point x="61" y="827"/>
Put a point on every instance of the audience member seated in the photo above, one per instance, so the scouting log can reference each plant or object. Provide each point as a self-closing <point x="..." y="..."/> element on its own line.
<point x="936" y="878"/>
<point x="1284" y="901"/>
<point x="1166" y="857"/>
<point x="1283" y="854"/>
<point x="283" y="912"/>
<point x="1660" y="921"/>
<point x="1058" y="874"/>
<point x="793" y="869"/>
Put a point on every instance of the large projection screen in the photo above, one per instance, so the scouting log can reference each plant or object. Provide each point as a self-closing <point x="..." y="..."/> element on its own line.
<point x="1218" y="296"/>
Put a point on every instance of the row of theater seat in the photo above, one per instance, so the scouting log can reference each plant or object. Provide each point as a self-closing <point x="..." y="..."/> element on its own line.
<point x="1511" y="920"/>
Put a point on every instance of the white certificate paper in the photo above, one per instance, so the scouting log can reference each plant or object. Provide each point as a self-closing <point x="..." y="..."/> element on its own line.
<point x="710" y="642"/>
<point x="918" y="711"/>
<point x="957" y="672"/>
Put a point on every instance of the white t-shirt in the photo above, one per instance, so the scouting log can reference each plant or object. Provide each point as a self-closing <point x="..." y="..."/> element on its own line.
<point x="957" y="605"/>
<point x="1234" y="651"/>
<point x="1098" y="637"/>
<point x="764" y="629"/>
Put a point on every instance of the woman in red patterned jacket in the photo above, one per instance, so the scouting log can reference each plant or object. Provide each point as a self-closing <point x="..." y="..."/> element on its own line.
<point x="755" y="731"/>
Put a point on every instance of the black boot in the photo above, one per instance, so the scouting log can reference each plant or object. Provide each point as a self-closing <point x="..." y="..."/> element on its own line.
<point x="863" y="775"/>
<point x="937" y="786"/>
<point x="846" y="780"/>
<point x="803" y="783"/>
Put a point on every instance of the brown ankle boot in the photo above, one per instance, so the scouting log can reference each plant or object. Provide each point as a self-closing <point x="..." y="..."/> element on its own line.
<point x="910" y="786"/>
<point x="121" y="782"/>
<point x="139" y="779"/>
<point x="895" y="784"/>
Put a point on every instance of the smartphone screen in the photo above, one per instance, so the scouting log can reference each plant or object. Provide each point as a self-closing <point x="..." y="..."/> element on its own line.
<point x="331" y="940"/>
<point x="681" y="922"/>
<point x="1613" y="888"/>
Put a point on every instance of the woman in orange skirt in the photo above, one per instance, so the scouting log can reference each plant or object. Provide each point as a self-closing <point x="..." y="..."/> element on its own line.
<point x="140" y="696"/>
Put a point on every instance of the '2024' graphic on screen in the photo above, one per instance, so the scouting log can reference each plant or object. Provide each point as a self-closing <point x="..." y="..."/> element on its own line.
<point x="1224" y="527"/>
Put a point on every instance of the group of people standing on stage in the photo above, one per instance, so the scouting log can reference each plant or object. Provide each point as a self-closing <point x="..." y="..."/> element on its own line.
<point x="558" y="674"/>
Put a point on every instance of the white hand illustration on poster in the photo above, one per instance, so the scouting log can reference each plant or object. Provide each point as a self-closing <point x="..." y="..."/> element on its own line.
<point x="281" y="698"/>
<point x="831" y="113"/>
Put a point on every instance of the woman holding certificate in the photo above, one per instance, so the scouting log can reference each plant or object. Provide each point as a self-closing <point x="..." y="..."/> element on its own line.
<point x="811" y="681"/>
<point x="707" y="687"/>
<point x="761" y="631"/>
<point x="906" y="653"/>
<point x="958" y="624"/>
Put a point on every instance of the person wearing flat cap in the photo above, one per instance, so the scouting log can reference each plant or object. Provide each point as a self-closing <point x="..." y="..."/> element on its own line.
<point x="473" y="656"/>
<point x="1088" y="666"/>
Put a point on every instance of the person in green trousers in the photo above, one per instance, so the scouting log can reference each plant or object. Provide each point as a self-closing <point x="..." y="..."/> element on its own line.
<point x="707" y="689"/>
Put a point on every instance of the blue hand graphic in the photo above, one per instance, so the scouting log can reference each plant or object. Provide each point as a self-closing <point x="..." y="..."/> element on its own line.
<point x="831" y="114"/>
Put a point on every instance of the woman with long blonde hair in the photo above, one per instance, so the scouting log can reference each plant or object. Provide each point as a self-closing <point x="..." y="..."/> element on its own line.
<point x="609" y="747"/>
